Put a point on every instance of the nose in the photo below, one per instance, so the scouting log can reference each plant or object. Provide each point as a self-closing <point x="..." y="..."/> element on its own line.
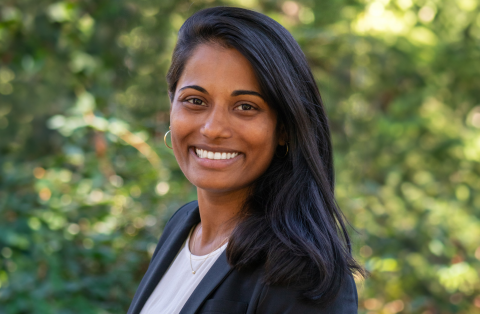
<point x="216" y="124"/>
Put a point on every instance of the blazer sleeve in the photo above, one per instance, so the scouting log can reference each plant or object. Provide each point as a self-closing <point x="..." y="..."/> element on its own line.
<point x="281" y="300"/>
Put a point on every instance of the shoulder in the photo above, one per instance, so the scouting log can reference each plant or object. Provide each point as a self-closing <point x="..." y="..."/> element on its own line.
<point x="275" y="299"/>
<point x="180" y="214"/>
<point x="178" y="218"/>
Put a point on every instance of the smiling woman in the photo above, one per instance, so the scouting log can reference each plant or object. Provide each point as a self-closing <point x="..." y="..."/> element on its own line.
<point x="218" y="109"/>
<point x="249" y="131"/>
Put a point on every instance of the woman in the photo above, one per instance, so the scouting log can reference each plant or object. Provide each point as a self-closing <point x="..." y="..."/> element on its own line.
<point x="249" y="130"/>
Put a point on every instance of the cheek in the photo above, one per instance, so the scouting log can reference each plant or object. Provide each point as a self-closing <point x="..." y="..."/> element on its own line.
<point x="262" y="137"/>
<point x="180" y="123"/>
<point x="181" y="127"/>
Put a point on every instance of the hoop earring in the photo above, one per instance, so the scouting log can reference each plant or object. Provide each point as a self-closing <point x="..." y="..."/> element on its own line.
<point x="286" y="152"/>
<point x="165" y="138"/>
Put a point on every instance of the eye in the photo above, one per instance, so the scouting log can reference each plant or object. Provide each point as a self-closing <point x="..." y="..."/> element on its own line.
<point x="245" y="107"/>
<point x="195" y="101"/>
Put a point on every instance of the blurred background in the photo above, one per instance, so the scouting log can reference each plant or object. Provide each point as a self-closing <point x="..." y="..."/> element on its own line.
<point x="86" y="183"/>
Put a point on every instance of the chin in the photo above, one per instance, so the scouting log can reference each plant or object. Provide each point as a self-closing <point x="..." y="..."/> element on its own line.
<point x="210" y="186"/>
<point x="217" y="185"/>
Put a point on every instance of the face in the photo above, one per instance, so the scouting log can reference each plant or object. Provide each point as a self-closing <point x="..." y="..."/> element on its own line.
<point x="224" y="134"/>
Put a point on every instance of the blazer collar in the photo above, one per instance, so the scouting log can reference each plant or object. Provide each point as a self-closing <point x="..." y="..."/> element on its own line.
<point x="214" y="277"/>
<point x="165" y="256"/>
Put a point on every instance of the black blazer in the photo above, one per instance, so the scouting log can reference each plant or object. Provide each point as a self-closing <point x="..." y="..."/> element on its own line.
<point x="224" y="290"/>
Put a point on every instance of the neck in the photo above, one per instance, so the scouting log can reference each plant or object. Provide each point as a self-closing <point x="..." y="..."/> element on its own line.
<point x="218" y="212"/>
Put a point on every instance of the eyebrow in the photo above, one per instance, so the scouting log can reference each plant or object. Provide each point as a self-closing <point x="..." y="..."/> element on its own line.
<point x="196" y="87"/>
<point x="234" y="93"/>
<point x="247" y="92"/>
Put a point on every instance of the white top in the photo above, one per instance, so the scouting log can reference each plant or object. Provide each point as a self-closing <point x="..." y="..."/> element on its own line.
<point x="178" y="283"/>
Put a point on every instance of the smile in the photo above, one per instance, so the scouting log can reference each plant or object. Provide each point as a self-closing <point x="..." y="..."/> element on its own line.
<point x="205" y="154"/>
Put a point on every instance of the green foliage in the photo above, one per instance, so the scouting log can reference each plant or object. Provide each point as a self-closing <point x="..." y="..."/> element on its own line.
<point x="86" y="183"/>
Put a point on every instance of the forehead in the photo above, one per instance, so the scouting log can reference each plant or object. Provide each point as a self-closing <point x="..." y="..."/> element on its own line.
<point x="215" y="67"/>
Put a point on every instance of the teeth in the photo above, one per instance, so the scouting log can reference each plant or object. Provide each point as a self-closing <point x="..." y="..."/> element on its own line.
<point x="214" y="155"/>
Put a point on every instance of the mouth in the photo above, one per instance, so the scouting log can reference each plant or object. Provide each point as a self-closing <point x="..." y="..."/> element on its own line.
<point x="205" y="154"/>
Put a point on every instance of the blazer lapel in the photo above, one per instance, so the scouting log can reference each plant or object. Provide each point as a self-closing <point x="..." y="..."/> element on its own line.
<point x="164" y="258"/>
<point x="215" y="276"/>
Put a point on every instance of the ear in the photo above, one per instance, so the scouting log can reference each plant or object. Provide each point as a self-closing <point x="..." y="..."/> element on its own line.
<point x="282" y="136"/>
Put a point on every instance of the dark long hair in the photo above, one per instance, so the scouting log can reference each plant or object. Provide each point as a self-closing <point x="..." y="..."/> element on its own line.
<point x="291" y="223"/>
